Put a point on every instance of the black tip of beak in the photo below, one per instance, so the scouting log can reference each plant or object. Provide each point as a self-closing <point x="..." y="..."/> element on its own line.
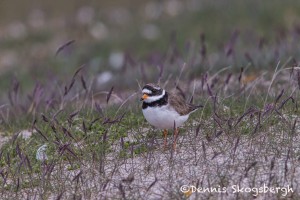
<point x="141" y="99"/>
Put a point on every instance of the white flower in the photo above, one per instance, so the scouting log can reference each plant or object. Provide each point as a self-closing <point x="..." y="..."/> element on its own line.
<point x="116" y="60"/>
<point x="150" y="31"/>
<point x="85" y="15"/>
<point x="104" y="77"/>
<point x="25" y="134"/>
<point x="41" y="153"/>
<point x="99" y="31"/>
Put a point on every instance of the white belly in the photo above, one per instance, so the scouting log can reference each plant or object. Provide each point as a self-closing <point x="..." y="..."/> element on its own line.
<point x="163" y="118"/>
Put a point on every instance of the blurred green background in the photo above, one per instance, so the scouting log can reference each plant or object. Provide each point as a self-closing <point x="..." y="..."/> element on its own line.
<point x="119" y="39"/>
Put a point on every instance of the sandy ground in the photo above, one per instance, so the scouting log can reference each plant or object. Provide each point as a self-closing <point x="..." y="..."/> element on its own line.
<point x="261" y="165"/>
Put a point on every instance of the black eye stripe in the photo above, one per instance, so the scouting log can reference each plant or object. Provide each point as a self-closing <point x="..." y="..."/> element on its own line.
<point x="151" y="95"/>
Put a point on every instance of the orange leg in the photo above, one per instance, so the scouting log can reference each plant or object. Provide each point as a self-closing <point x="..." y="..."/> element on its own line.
<point x="175" y="138"/>
<point x="165" y="137"/>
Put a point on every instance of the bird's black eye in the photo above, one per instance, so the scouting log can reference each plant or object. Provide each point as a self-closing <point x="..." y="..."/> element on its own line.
<point x="156" y="93"/>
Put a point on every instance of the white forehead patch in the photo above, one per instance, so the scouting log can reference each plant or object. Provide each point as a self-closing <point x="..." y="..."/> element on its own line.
<point x="146" y="91"/>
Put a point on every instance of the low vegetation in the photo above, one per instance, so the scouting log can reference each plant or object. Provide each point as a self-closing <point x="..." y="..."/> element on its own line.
<point x="77" y="131"/>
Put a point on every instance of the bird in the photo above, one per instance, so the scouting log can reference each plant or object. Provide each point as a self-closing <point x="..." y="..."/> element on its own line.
<point x="165" y="110"/>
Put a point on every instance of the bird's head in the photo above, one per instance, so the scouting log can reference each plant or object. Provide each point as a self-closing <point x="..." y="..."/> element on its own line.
<point x="152" y="92"/>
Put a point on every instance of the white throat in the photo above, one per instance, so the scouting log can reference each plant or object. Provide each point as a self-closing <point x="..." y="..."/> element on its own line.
<point x="151" y="99"/>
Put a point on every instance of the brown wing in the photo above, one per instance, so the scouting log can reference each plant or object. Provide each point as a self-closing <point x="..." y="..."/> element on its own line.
<point x="178" y="103"/>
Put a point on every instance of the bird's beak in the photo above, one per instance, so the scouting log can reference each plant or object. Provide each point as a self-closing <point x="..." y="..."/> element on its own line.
<point x="145" y="96"/>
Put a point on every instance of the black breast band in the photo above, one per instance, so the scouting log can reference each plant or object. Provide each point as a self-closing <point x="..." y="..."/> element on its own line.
<point x="161" y="102"/>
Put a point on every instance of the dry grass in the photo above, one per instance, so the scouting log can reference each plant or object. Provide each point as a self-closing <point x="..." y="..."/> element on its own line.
<point x="246" y="135"/>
